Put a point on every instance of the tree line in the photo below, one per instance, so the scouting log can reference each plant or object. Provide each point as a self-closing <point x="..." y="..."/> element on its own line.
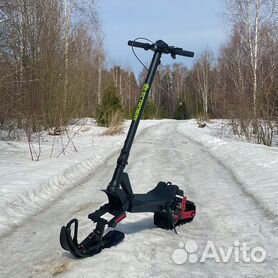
<point x="240" y="84"/>
<point x="53" y="70"/>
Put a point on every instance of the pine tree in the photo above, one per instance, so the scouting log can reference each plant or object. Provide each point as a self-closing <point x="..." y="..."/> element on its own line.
<point x="110" y="104"/>
<point x="181" y="112"/>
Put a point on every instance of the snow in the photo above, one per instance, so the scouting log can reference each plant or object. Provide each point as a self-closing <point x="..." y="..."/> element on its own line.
<point x="254" y="166"/>
<point x="29" y="186"/>
<point x="232" y="184"/>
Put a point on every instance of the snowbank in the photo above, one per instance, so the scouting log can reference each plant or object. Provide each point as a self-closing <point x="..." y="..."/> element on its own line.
<point x="254" y="166"/>
<point x="28" y="187"/>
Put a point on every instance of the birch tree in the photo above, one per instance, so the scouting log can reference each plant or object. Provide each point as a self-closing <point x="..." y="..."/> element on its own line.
<point x="252" y="16"/>
<point x="203" y="69"/>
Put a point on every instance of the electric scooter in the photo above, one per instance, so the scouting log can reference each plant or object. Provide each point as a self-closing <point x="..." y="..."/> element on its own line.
<point x="167" y="201"/>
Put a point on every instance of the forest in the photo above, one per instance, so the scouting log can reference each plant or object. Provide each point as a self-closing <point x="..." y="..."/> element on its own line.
<point x="53" y="71"/>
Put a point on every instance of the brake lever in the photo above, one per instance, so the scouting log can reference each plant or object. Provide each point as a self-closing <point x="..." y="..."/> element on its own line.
<point x="173" y="55"/>
<point x="172" y="51"/>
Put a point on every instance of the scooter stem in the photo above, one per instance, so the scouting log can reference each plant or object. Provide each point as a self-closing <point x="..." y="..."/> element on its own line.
<point x="123" y="158"/>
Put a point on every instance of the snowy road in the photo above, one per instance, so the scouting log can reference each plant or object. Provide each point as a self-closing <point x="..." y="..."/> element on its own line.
<point x="225" y="214"/>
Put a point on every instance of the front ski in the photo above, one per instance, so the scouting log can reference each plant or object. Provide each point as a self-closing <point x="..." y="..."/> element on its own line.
<point x="93" y="244"/>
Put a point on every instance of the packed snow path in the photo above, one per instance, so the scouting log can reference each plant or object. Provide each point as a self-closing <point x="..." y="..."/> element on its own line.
<point x="225" y="214"/>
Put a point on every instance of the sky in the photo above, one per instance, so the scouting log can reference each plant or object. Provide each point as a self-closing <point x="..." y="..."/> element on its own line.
<point x="194" y="25"/>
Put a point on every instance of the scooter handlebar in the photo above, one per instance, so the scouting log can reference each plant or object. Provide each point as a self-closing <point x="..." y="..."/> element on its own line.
<point x="163" y="47"/>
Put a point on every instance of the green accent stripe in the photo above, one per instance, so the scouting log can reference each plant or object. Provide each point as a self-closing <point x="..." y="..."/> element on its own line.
<point x="140" y="102"/>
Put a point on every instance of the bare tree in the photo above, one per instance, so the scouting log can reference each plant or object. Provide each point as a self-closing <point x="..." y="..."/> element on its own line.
<point x="204" y="78"/>
<point x="252" y="16"/>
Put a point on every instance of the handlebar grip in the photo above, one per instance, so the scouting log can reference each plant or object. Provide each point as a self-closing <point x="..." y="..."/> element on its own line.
<point x="139" y="44"/>
<point x="185" y="53"/>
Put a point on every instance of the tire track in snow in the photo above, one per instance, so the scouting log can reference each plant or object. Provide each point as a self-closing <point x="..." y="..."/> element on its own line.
<point x="269" y="214"/>
<point x="160" y="153"/>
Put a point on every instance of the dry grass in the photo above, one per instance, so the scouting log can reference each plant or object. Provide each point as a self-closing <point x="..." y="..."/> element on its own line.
<point x="64" y="267"/>
<point x="115" y="126"/>
<point x="202" y="125"/>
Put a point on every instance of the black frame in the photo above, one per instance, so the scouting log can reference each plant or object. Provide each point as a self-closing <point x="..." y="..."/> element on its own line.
<point x="123" y="158"/>
<point x="119" y="190"/>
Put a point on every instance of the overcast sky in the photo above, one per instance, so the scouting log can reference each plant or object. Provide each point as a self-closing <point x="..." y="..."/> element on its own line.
<point x="193" y="25"/>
